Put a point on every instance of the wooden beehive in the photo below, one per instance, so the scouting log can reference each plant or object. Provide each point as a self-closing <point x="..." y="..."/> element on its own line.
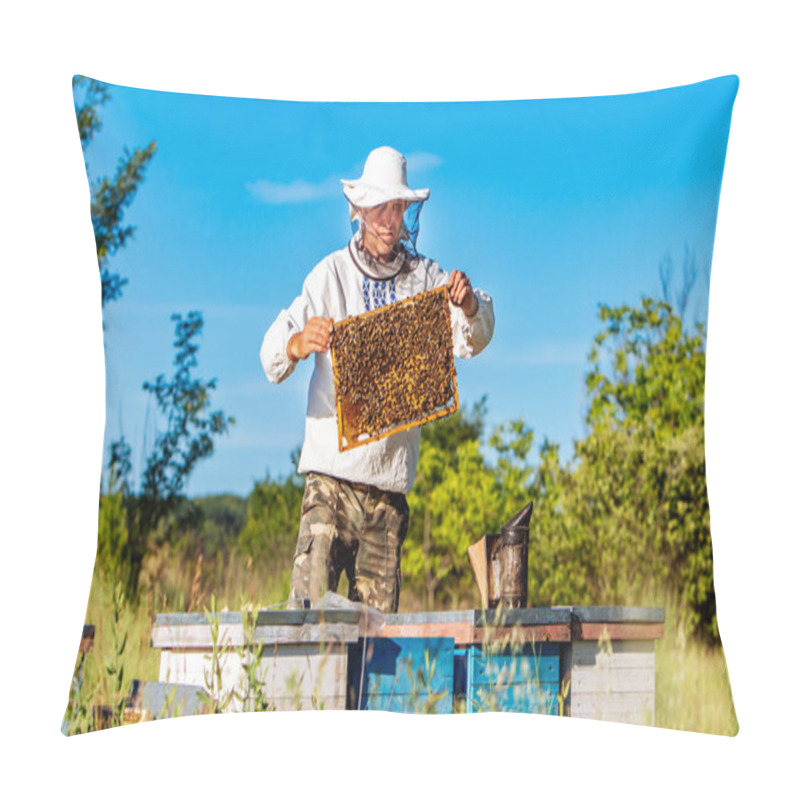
<point x="406" y="674"/>
<point x="521" y="678"/>
<point x="303" y="664"/>
<point x="594" y="662"/>
<point x="393" y="368"/>
<point x="612" y="663"/>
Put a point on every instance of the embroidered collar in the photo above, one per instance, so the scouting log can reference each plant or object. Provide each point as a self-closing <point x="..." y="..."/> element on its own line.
<point x="371" y="267"/>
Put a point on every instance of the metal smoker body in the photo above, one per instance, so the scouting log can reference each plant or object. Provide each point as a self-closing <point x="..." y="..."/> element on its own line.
<point x="508" y="553"/>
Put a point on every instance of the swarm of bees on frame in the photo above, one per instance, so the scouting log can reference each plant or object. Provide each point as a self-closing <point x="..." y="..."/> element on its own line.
<point x="393" y="368"/>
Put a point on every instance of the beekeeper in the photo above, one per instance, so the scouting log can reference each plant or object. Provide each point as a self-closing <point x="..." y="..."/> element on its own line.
<point x="354" y="515"/>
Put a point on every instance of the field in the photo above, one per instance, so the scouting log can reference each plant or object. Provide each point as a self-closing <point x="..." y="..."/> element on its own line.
<point x="692" y="686"/>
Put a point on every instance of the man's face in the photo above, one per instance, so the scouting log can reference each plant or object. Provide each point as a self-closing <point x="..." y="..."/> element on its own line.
<point x="382" y="227"/>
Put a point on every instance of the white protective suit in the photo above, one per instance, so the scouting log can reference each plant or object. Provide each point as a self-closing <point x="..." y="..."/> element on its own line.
<point x="339" y="287"/>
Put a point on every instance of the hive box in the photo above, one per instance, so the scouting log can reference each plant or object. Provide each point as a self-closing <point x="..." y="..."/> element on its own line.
<point x="591" y="662"/>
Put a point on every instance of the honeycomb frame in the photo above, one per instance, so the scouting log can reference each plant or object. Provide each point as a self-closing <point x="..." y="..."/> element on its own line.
<point x="381" y="385"/>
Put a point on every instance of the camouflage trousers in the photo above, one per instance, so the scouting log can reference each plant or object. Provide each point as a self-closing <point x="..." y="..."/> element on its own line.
<point x="353" y="528"/>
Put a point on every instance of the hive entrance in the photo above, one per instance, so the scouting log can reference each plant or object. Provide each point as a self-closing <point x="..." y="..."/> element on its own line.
<point x="393" y="368"/>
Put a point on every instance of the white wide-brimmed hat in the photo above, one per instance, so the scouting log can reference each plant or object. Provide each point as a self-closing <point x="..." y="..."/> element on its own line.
<point x="384" y="179"/>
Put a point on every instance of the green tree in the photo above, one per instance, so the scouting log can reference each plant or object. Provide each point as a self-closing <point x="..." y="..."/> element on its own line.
<point x="269" y="535"/>
<point x="630" y="515"/>
<point x="110" y="196"/>
<point x="182" y="401"/>
<point x="652" y="394"/>
<point x="127" y="520"/>
<point x="646" y="370"/>
<point x="112" y="533"/>
<point x="273" y="514"/>
<point x="425" y="566"/>
<point x="222" y="518"/>
<point x="457" y="498"/>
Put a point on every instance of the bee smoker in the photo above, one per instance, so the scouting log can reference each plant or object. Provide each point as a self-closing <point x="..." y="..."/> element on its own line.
<point x="509" y="567"/>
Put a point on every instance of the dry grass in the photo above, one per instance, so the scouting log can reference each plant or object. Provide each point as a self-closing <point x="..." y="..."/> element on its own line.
<point x="693" y="691"/>
<point x="692" y="686"/>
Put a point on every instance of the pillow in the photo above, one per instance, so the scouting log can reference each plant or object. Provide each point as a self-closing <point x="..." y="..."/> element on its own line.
<point x="545" y="549"/>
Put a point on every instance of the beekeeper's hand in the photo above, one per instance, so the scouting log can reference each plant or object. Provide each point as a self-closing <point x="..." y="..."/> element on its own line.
<point x="314" y="338"/>
<point x="461" y="293"/>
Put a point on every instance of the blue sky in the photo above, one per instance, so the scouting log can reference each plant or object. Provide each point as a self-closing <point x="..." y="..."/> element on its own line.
<point x="552" y="207"/>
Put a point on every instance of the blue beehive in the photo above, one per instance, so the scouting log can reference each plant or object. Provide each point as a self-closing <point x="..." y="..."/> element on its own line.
<point x="524" y="678"/>
<point x="410" y="675"/>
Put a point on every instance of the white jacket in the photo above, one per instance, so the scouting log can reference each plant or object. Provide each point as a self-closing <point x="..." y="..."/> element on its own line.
<point x="337" y="288"/>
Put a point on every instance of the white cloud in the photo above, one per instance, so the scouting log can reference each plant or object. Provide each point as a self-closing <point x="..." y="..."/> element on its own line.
<point x="419" y="162"/>
<point x="302" y="191"/>
<point x="298" y="191"/>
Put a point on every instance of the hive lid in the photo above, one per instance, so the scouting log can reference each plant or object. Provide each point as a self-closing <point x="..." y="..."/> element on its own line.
<point x="645" y="614"/>
<point x="431" y="617"/>
<point x="509" y="617"/>
<point x="173" y="620"/>
<point x="308" y="616"/>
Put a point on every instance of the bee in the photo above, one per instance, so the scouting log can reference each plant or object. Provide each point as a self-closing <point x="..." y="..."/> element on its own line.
<point x="393" y="367"/>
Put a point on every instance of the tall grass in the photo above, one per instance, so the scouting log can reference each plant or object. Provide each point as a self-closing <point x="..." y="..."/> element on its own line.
<point x="693" y="691"/>
<point x="113" y="621"/>
<point x="692" y="686"/>
<point x="176" y="582"/>
<point x="168" y="583"/>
